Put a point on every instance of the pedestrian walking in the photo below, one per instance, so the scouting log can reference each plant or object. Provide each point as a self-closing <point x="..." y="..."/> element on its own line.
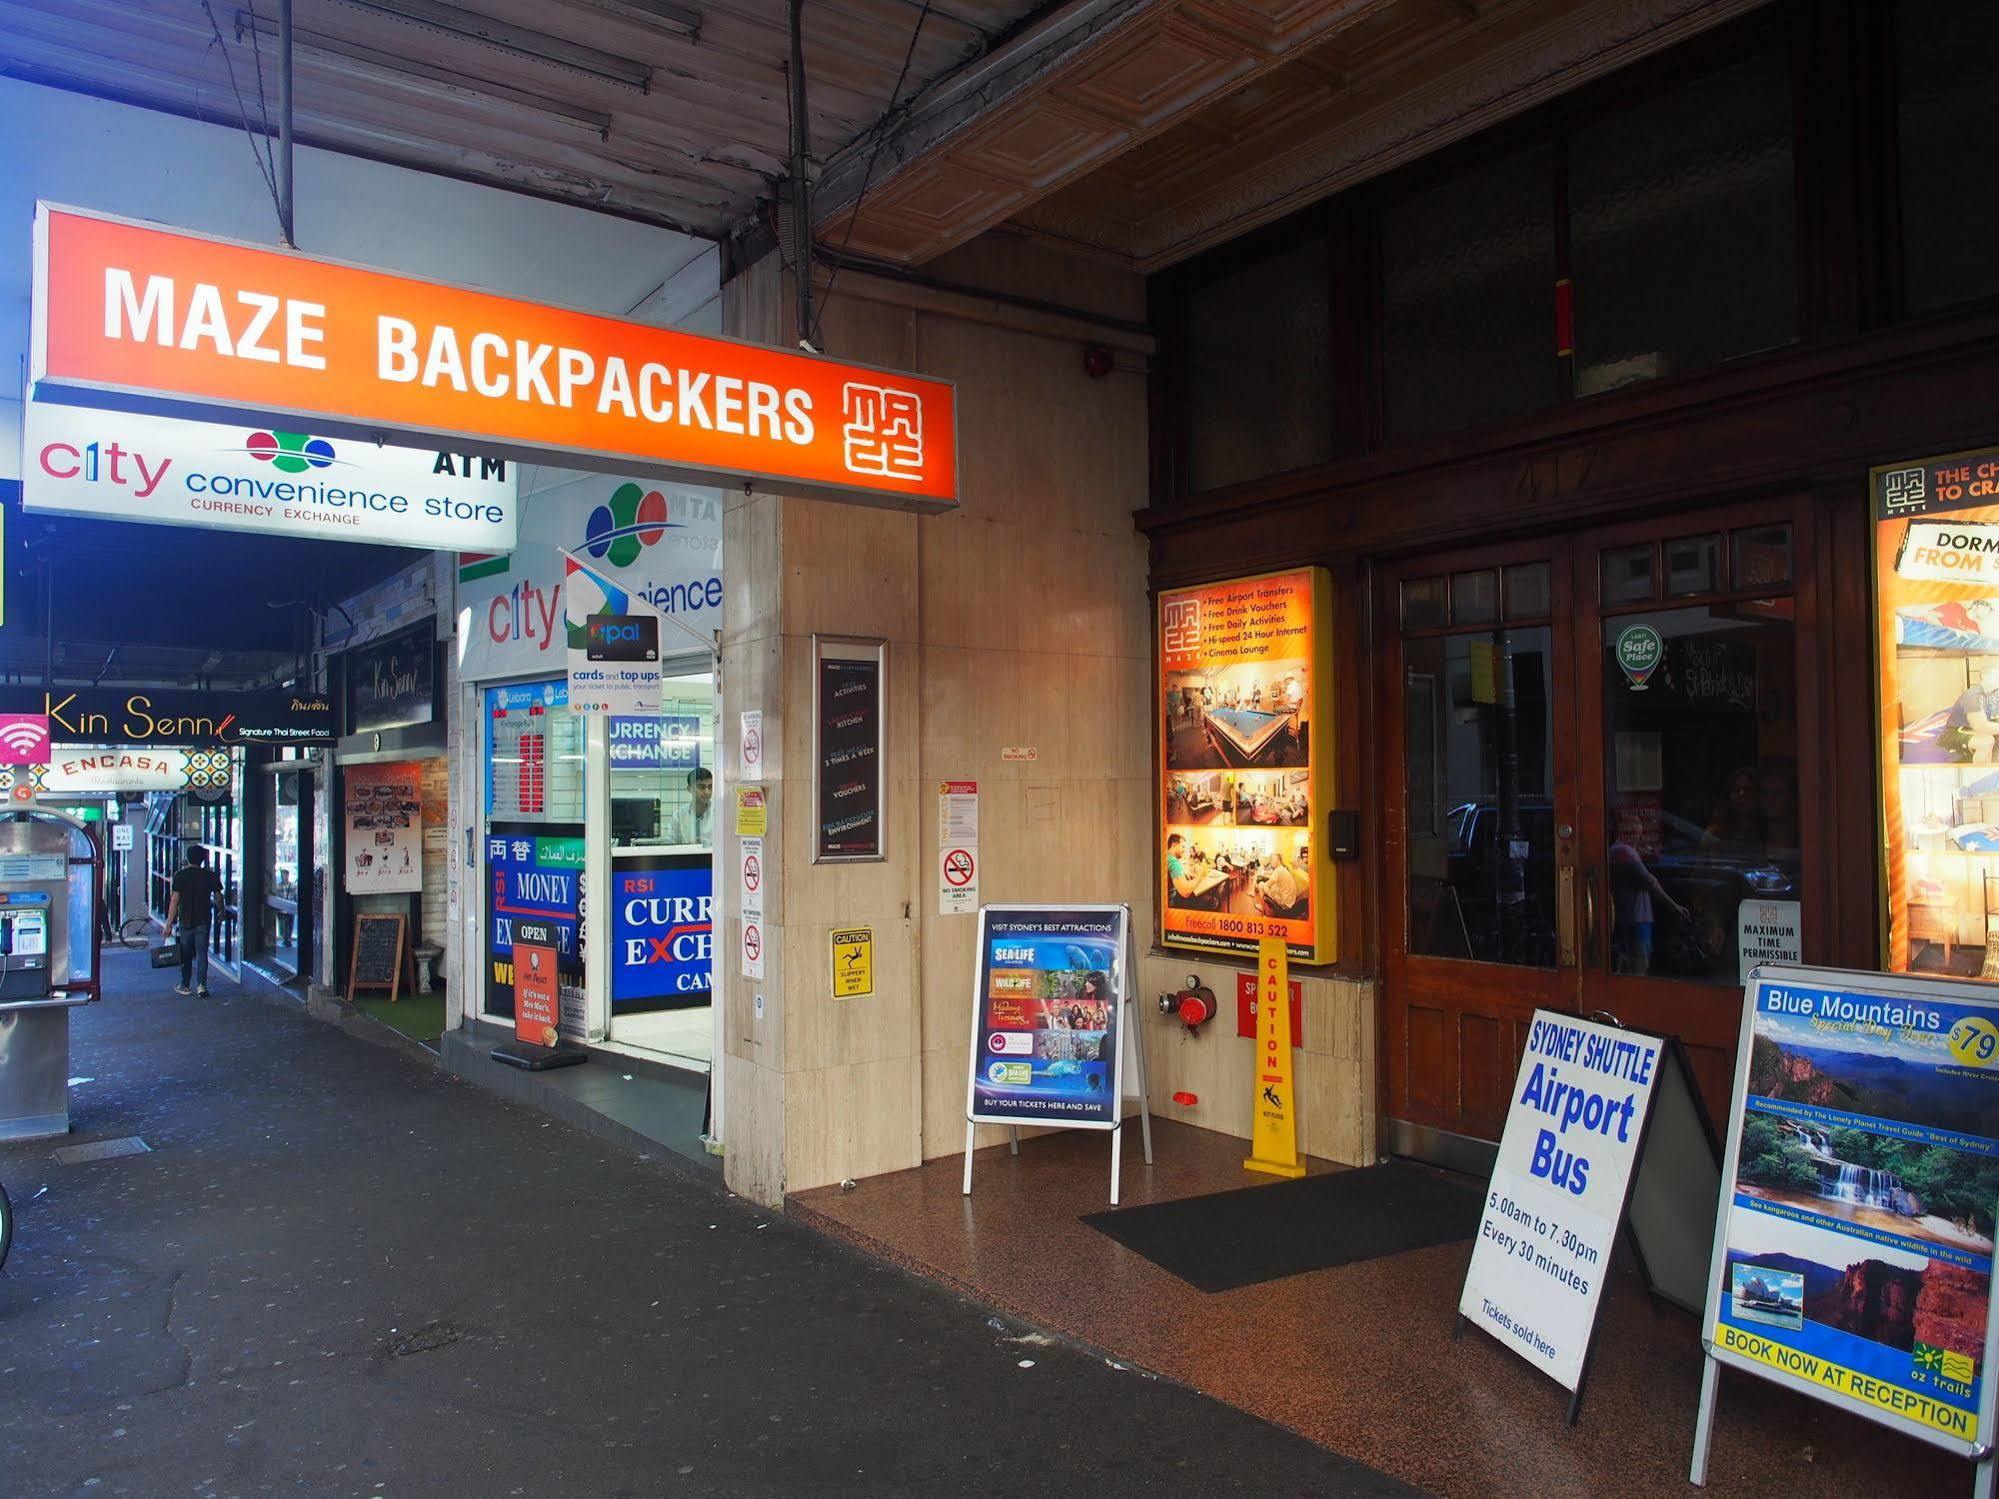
<point x="192" y="903"/>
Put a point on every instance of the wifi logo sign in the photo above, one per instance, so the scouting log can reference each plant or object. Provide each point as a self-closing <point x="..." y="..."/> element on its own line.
<point x="24" y="739"/>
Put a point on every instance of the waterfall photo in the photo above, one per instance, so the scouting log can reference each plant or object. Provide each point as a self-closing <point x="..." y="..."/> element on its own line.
<point x="1927" y="1192"/>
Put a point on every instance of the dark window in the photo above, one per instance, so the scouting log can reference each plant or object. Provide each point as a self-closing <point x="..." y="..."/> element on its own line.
<point x="1259" y="370"/>
<point x="1683" y="227"/>
<point x="1468" y="321"/>
<point x="1946" y="64"/>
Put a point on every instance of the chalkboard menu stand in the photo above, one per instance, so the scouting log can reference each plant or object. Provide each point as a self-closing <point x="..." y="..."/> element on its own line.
<point x="381" y="956"/>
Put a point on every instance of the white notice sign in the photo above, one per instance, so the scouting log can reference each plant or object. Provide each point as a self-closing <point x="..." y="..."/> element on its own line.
<point x="123" y="466"/>
<point x="1769" y="931"/>
<point x="121" y="836"/>
<point x="752" y="747"/>
<point x="957" y="881"/>
<point x="753" y="879"/>
<point x="1558" y="1189"/>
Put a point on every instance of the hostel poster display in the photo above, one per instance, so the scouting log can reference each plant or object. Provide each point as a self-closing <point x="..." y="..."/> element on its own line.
<point x="662" y="932"/>
<point x="1936" y="584"/>
<point x="1852" y="1259"/>
<point x="534" y="872"/>
<point x="1581" y="1102"/>
<point x="1245" y="682"/>
<point x="384" y="812"/>
<point x="847" y="750"/>
<point x="1046" y="1016"/>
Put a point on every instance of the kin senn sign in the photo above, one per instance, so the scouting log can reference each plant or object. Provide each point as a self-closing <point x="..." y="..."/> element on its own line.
<point x="138" y="317"/>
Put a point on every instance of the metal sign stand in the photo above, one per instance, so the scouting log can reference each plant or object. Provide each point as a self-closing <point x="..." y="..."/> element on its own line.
<point x="1979" y="1449"/>
<point x="1128" y="1042"/>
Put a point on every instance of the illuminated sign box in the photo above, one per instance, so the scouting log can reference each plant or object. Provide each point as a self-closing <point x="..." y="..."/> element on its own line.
<point x="138" y="317"/>
<point x="1245" y="682"/>
<point x="1936" y="590"/>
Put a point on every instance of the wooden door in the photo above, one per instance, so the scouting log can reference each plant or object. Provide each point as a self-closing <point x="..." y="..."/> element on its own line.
<point x="1700" y="779"/>
<point x="1479" y="824"/>
<point x="1599" y="759"/>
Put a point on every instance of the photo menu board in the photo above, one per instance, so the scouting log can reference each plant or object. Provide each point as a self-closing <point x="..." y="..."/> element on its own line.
<point x="1936" y="572"/>
<point x="1244" y="672"/>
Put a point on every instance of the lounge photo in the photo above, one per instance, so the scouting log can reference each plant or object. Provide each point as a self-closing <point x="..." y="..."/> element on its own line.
<point x="1245" y="872"/>
<point x="1255" y="714"/>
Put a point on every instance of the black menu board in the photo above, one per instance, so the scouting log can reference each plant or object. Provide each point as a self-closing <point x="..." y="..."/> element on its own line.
<point x="848" y="754"/>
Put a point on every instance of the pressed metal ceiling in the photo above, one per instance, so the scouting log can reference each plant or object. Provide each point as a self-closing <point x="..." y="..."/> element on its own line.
<point x="667" y="111"/>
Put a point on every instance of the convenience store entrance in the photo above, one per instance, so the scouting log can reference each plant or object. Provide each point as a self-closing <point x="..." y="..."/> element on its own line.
<point x="1600" y="759"/>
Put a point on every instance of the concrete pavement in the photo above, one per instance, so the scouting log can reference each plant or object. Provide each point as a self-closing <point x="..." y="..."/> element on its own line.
<point x="338" y="1272"/>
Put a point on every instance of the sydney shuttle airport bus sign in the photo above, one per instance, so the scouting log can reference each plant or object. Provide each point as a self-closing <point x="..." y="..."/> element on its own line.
<point x="133" y="316"/>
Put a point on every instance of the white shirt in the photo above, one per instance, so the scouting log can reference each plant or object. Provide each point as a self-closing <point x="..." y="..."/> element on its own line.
<point x="690" y="825"/>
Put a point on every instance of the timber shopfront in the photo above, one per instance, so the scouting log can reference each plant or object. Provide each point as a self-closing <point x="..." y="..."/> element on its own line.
<point x="1591" y="422"/>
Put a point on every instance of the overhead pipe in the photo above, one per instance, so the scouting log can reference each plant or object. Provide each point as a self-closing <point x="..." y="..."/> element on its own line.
<point x="801" y="185"/>
<point x="286" y="222"/>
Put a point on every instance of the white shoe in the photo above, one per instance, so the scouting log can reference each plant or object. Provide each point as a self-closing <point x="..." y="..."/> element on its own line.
<point x="182" y="989"/>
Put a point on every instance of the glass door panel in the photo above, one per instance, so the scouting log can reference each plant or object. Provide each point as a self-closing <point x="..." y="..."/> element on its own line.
<point x="1478" y="742"/>
<point x="1700" y="784"/>
<point x="1479" y="768"/>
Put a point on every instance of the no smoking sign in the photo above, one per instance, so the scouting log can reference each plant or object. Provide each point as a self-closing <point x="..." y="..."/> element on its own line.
<point x="957" y="880"/>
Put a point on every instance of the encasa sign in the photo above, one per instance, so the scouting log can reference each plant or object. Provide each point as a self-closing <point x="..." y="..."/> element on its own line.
<point x="138" y="317"/>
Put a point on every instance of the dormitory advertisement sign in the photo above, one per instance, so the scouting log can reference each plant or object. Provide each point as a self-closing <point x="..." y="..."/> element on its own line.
<point x="1580" y="1102"/>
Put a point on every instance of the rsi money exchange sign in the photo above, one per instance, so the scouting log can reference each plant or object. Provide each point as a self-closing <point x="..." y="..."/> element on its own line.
<point x="131" y="315"/>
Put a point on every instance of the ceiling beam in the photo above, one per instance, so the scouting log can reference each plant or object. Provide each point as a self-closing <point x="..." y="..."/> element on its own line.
<point x="958" y="99"/>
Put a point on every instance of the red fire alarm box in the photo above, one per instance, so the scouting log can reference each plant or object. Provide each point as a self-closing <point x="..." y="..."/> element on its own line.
<point x="1245" y="1008"/>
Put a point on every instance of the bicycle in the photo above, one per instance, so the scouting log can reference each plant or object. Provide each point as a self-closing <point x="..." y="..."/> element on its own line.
<point x="136" y="932"/>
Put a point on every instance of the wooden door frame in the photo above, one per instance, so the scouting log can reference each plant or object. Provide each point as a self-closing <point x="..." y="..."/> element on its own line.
<point x="1719" y="1004"/>
<point x="1578" y="614"/>
<point x="1401" y="975"/>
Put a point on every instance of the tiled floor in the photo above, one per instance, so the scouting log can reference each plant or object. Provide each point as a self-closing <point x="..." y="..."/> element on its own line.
<point x="1360" y="1358"/>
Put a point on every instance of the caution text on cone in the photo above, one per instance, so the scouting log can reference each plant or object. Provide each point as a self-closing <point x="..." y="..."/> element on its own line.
<point x="1274" y="1142"/>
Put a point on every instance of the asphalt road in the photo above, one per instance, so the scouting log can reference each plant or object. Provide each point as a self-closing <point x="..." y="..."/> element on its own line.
<point x="337" y="1272"/>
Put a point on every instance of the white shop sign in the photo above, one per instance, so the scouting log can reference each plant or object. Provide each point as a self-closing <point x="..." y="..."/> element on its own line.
<point x="123" y="466"/>
<point x="1558" y="1189"/>
<point x="1769" y="931"/>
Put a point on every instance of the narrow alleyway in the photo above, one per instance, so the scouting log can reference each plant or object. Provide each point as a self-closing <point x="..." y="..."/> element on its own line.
<point x="334" y="1272"/>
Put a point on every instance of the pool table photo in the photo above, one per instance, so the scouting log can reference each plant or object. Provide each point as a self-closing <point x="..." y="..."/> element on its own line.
<point x="1244" y="736"/>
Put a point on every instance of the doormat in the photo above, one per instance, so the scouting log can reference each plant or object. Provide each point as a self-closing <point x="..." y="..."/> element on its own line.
<point x="1244" y="1237"/>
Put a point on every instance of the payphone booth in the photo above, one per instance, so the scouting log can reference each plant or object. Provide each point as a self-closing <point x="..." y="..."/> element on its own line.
<point x="50" y="883"/>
